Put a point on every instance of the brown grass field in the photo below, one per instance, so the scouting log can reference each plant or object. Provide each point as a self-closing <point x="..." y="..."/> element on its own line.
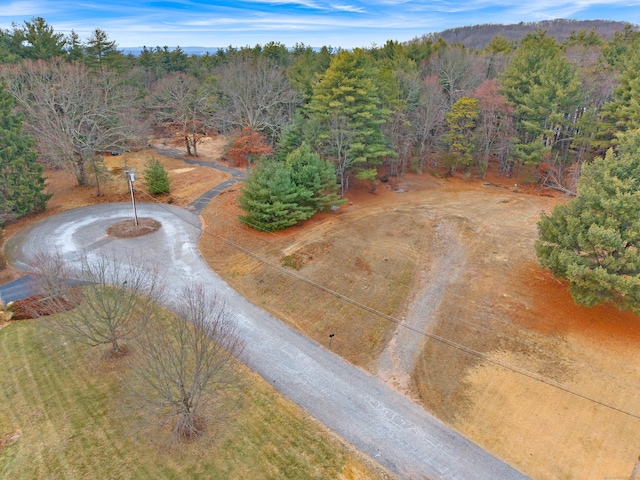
<point x="62" y="416"/>
<point x="550" y="387"/>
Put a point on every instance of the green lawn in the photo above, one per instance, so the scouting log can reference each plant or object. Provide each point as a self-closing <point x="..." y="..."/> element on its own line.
<point x="64" y="405"/>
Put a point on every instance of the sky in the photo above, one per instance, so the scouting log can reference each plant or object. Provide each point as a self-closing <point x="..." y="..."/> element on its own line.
<point x="336" y="23"/>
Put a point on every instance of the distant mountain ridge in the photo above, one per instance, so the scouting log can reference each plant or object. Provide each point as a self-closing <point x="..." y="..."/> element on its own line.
<point x="188" y="50"/>
<point x="474" y="36"/>
<point x="198" y="51"/>
<point x="478" y="36"/>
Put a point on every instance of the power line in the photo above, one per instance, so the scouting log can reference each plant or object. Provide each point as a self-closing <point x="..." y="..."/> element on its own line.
<point x="438" y="338"/>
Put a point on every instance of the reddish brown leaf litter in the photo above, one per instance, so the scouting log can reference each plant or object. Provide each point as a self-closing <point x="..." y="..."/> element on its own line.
<point x="129" y="228"/>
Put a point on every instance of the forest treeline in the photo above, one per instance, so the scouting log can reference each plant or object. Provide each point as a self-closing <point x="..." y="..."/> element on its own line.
<point x="537" y="107"/>
<point x="479" y="36"/>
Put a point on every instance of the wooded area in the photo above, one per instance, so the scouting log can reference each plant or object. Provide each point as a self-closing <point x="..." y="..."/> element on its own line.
<point x="541" y="103"/>
<point x="539" y="108"/>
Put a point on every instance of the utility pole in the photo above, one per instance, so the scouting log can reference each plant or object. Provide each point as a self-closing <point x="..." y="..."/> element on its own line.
<point x="131" y="177"/>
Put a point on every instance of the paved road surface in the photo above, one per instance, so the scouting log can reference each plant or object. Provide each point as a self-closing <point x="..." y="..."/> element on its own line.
<point x="397" y="433"/>
<point x="201" y="202"/>
<point x="17" y="290"/>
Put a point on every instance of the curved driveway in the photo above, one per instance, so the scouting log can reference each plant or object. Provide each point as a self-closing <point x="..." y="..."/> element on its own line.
<point x="397" y="433"/>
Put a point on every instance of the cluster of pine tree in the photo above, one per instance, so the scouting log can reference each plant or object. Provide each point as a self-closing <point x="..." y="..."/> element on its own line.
<point x="21" y="176"/>
<point x="541" y="107"/>
<point x="279" y="194"/>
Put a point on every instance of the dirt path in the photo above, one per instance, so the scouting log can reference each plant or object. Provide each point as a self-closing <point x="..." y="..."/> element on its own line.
<point x="397" y="433"/>
<point x="501" y="304"/>
<point x="443" y="267"/>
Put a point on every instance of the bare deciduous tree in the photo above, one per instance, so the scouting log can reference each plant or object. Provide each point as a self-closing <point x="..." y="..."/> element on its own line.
<point x="104" y="302"/>
<point x="72" y="113"/>
<point x="255" y="93"/>
<point x="185" y="361"/>
<point x="337" y="142"/>
<point x="398" y="128"/>
<point x="455" y="69"/>
<point x="494" y="125"/>
<point x="428" y="119"/>
<point x="184" y="106"/>
<point x="415" y="130"/>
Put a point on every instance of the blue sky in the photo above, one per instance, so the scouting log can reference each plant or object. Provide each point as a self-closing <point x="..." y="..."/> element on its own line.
<point x="336" y="23"/>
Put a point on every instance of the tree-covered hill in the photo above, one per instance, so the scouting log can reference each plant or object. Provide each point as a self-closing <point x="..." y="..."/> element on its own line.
<point x="479" y="36"/>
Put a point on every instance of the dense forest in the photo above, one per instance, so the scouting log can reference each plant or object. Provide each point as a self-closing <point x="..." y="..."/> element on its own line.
<point x="306" y="122"/>
<point x="537" y="108"/>
<point x="479" y="36"/>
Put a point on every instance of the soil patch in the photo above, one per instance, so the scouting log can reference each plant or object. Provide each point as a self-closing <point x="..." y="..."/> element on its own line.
<point x="355" y="274"/>
<point x="384" y="251"/>
<point x="129" y="229"/>
<point x="9" y="439"/>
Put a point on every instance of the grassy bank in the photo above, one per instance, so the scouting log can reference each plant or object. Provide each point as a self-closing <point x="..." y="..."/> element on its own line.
<point x="60" y="418"/>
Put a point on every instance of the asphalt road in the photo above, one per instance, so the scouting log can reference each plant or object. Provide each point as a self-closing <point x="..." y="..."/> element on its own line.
<point x="17" y="290"/>
<point x="377" y="420"/>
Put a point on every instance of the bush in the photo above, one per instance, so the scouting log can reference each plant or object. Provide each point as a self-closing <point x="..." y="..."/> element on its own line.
<point x="156" y="177"/>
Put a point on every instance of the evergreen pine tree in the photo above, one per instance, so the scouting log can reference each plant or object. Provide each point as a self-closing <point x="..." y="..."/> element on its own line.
<point x="594" y="240"/>
<point x="461" y="121"/>
<point x="271" y="200"/>
<point x="100" y="49"/>
<point x="623" y="112"/>
<point x="544" y="89"/>
<point x="314" y="175"/>
<point x="156" y="177"/>
<point x="21" y="180"/>
<point x="348" y="96"/>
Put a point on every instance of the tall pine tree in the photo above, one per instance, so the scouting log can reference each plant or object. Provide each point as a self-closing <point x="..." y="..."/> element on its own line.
<point x="347" y="103"/>
<point x="593" y="241"/>
<point x="21" y="180"/>
<point x="623" y="112"/>
<point x="544" y="89"/>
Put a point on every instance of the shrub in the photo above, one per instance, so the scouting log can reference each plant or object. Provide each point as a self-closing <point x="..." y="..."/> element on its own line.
<point x="156" y="177"/>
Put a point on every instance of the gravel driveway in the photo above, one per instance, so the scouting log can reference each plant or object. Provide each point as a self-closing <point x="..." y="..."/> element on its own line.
<point x="377" y="420"/>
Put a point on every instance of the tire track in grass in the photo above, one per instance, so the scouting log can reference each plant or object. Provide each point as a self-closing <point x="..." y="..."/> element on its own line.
<point x="10" y="422"/>
<point x="29" y="385"/>
<point x="397" y="361"/>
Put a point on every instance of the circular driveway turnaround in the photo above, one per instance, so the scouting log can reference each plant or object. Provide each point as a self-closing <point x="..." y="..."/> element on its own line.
<point x="377" y="420"/>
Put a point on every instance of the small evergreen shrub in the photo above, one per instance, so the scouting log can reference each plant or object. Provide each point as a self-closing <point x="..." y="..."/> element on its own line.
<point x="156" y="177"/>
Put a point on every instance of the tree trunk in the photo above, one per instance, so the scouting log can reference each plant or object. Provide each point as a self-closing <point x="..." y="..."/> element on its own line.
<point x="188" y="144"/>
<point x="99" y="193"/>
<point x="115" y="348"/>
<point x="81" y="171"/>
<point x="194" y="143"/>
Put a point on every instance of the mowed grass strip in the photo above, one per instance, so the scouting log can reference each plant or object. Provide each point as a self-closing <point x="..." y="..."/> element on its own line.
<point x="60" y="418"/>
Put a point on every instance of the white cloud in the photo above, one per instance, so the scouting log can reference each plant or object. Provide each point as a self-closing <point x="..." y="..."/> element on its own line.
<point x="302" y="3"/>
<point x="345" y="23"/>
<point x="348" y="8"/>
<point x="26" y="8"/>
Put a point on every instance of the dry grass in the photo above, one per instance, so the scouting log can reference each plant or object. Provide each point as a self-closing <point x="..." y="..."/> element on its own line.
<point x="368" y="255"/>
<point x="60" y="418"/>
<point x="502" y="306"/>
<point x="374" y="250"/>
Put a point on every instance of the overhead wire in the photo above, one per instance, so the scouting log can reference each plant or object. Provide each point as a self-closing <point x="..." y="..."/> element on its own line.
<point x="468" y="350"/>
